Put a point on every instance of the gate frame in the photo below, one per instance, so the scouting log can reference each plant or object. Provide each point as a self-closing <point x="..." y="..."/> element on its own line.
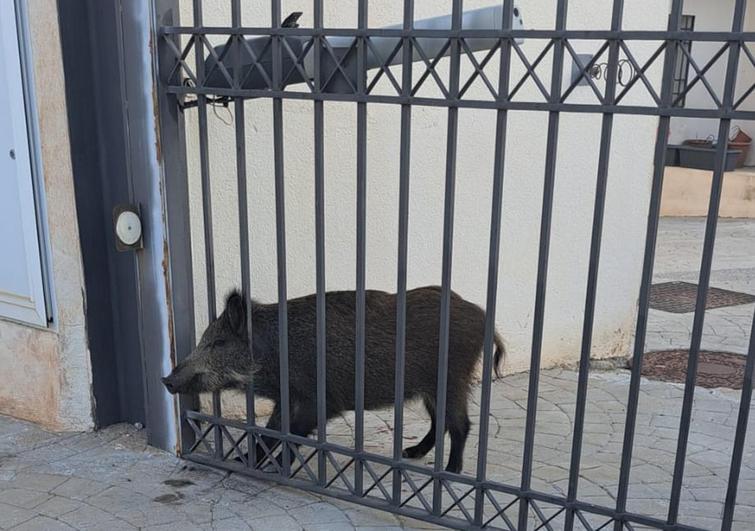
<point x="172" y="231"/>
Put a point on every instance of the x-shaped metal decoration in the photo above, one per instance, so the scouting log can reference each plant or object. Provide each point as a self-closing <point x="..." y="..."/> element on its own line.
<point x="256" y="65"/>
<point x="417" y="491"/>
<point x="234" y="445"/>
<point x="268" y="452"/>
<point x="299" y="62"/>
<point x="430" y="67"/>
<point x="384" y="66"/>
<point x="544" y="522"/>
<point x="531" y="69"/>
<point x="340" y="474"/>
<point x="457" y="500"/>
<point x="180" y="63"/>
<point x="640" y="72"/>
<point x="339" y="64"/>
<point x="751" y="89"/>
<point x="479" y="68"/>
<point x="303" y="463"/>
<point x="200" y="436"/>
<point x="584" y="71"/>
<point x="701" y="73"/>
<point x="218" y="59"/>
<point x="378" y="481"/>
<point x="500" y="511"/>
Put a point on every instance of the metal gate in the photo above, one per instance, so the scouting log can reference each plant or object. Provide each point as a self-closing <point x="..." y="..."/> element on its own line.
<point x="219" y="76"/>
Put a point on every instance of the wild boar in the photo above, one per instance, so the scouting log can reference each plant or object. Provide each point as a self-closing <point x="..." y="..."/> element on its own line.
<point x="222" y="359"/>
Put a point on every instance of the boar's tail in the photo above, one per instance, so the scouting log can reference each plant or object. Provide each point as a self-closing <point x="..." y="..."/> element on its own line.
<point x="500" y="355"/>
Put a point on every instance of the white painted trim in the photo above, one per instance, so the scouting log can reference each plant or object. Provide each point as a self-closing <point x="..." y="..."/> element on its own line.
<point x="28" y="306"/>
<point x="35" y="152"/>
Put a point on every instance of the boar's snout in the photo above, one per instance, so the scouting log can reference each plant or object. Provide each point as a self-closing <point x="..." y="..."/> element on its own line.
<point x="182" y="380"/>
<point x="169" y="384"/>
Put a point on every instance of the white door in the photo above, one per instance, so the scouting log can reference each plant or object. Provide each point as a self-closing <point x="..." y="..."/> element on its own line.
<point x="21" y="288"/>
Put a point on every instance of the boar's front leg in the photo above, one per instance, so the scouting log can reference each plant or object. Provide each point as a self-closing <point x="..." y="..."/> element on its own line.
<point x="303" y="422"/>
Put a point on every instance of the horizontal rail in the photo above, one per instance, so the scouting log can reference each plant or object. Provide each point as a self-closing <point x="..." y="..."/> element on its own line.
<point x="638" y="35"/>
<point x="470" y="104"/>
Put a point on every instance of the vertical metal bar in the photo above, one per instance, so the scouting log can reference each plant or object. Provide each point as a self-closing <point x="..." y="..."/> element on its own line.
<point x="204" y="164"/>
<point x="361" y="252"/>
<point x="322" y="411"/>
<point x="504" y="74"/>
<point x="705" y="267"/>
<point x="448" y="229"/>
<point x="647" y="268"/>
<point x="592" y="275"/>
<point x="740" y="435"/>
<point x="280" y="227"/>
<point x="542" y="267"/>
<point x="239" y="120"/>
<point x="403" y="237"/>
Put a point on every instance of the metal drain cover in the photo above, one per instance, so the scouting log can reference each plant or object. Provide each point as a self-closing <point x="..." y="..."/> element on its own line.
<point x="715" y="369"/>
<point x="680" y="297"/>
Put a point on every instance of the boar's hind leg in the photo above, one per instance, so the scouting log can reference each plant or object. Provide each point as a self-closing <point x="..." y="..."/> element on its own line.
<point x="457" y="423"/>
<point x="427" y="443"/>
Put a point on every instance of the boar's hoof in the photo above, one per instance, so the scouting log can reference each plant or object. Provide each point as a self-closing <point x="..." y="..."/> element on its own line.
<point x="414" y="452"/>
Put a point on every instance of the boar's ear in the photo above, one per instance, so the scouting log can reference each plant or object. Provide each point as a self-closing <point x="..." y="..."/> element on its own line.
<point x="235" y="308"/>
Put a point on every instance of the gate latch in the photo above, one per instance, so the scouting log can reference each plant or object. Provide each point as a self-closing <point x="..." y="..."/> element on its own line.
<point x="127" y="224"/>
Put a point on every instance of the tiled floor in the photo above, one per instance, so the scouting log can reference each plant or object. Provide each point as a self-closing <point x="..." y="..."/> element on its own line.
<point x="112" y="480"/>
<point x="678" y="255"/>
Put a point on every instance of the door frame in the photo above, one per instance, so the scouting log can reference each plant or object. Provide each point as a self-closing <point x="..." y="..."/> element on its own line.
<point x="31" y="117"/>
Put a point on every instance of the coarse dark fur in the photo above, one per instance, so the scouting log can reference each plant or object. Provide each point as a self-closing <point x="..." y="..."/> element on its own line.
<point x="221" y="360"/>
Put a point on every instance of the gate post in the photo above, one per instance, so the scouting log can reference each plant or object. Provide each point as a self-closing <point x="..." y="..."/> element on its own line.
<point x="158" y="165"/>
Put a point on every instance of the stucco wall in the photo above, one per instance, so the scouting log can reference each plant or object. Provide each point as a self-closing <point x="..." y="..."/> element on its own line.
<point x="715" y="16"/>
<point x="686" y="192"/>
<point x="626" y="210"/>
<point x="46" y="373"/>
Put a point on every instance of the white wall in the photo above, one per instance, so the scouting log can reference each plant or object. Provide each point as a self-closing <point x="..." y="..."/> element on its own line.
<point x="715" y="16"/>
<point x="626" y="210"/>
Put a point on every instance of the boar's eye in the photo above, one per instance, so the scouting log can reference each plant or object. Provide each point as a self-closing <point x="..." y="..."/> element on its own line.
<point x="218" y="343"/>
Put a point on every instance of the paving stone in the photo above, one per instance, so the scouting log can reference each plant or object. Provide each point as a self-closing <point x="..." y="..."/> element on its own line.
<point x="278" y="523"/>
<point x="87" y="517"/>
<point x="11" y="516"/>
<point x="365" y="517"/>
<point x="378" y="528"/>
<point x="79" y="488"/>
<point x="24" y="498"/>
<point x="172" y="526"/>
<point x="230" y="524"/>
<point x="57" y="506"/>
<point x="43" y="523"/>
<point x="333" y="526"/>
<point x="38" y="482"/>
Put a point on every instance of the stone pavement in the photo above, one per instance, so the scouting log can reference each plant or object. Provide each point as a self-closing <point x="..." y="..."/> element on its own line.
<point x="678" y="256"/>
<point x="112" y="480"/>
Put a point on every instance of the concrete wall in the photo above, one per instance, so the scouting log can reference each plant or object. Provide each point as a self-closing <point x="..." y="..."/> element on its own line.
<point x="715" y="16"/>
<point x="686" y="193"/>
<point x="46" y="373"/>
<point x="626" y="210"/>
